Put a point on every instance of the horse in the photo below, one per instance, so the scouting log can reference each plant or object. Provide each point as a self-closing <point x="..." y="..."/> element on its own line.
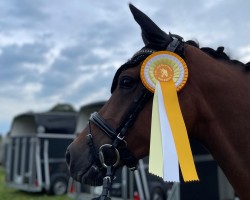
<point x="214" y="103"/>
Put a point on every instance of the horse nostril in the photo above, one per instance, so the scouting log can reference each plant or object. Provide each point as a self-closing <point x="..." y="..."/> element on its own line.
<point x="67" y="155"/>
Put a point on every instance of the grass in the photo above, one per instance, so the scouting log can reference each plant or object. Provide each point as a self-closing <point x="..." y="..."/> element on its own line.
<point x="7" y="193"/>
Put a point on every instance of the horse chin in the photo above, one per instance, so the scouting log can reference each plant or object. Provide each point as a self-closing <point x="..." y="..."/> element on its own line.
<point x="94" y="176"/>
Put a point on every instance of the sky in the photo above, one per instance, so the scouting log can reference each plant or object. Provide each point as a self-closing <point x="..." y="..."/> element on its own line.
<point x="54" y="51"/>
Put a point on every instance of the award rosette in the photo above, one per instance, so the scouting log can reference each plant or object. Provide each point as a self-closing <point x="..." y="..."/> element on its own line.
<point x="164" y="73"/>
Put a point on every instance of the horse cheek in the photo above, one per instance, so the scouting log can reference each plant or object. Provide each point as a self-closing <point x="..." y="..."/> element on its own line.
<point x="139" y="143"/>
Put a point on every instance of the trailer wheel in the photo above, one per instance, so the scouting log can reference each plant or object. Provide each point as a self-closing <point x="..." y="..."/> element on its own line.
<point x="158" y="194"/>
<point x="58" y="186"/>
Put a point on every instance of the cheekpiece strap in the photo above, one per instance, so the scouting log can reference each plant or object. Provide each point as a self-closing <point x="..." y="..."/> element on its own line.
<point x="173" y="45"/>
<point x="177" y="45"/>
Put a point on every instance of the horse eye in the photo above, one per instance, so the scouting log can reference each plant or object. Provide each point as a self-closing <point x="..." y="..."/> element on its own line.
<point x="126" y="82"/>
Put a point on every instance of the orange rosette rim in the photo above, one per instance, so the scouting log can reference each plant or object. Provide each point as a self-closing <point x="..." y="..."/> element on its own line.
<point x="163" y="66"/>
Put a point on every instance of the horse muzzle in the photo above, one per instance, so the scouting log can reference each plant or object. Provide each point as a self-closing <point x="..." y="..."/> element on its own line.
<point x="81" y="168"/>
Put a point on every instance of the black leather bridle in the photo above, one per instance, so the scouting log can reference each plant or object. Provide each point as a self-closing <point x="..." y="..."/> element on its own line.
<point x="118" y="135"/>
<point x="118" y="148"/>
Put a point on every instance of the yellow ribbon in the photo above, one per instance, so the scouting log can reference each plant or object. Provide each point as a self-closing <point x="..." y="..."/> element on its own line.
<point x="179" y="131"/>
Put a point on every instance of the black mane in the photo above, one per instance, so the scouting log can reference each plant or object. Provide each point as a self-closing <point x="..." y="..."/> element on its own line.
<point x="220" y="55"/>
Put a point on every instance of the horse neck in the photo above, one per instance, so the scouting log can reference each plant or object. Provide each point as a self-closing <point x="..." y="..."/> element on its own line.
<point x="223" y="120"/>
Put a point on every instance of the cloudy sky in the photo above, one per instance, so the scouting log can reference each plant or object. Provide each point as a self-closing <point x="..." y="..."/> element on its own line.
<point x="54" y="51"/>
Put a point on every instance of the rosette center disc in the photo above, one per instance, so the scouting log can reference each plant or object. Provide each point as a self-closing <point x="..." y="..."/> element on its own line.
<point x="163" y="72"/>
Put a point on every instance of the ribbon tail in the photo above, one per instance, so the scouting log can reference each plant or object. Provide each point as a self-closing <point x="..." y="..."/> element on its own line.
<point x="170" y="162"/>
<point x="155" y="152"/>
<point x="179" y="131"/>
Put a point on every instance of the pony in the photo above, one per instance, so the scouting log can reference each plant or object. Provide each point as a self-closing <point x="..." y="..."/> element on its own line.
<point x="214" y="103"/>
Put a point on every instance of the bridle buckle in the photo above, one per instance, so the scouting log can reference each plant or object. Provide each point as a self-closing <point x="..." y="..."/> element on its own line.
<point x="119" y="136"/>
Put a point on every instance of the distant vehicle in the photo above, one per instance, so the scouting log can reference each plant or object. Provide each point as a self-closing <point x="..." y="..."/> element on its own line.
<point x="35" y="151"/>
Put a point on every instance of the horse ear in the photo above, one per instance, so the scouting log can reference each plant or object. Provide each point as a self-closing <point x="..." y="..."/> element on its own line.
<point x="151" y="33"/>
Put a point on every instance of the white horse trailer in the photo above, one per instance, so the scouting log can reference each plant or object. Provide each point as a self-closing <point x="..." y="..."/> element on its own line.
<point x="35" y="151"/>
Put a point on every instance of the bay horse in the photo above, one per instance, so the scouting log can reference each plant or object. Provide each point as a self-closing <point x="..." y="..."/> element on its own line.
<point x="214" y="102"/>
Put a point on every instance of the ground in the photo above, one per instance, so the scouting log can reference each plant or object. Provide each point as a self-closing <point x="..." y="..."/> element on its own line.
<point x="7" y="193"/>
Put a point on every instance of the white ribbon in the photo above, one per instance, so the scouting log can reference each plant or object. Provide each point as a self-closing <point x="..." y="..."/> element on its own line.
<point x="170" y="158"/>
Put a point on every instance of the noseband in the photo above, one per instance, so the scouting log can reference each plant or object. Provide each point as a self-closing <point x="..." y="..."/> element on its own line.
<point x="118" y="148"/>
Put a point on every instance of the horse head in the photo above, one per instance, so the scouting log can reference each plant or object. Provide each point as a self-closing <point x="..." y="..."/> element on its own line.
<point x="125" y="119"/>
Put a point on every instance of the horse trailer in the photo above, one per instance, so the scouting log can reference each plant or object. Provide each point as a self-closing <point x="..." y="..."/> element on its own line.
<point x="35" y="151"/>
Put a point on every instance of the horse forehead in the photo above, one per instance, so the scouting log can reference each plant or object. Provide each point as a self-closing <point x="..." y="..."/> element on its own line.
<point x="133" y="71"/>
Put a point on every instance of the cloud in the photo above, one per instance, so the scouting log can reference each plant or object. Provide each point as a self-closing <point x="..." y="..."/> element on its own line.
<point x="24" y="54"/>
<point x="245" y="53"/>
<point x="68" y="51"/>
<point x="23" y="14"/>
<point x="21" y="64"/>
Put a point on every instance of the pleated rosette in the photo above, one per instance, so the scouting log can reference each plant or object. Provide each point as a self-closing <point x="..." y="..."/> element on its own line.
<point x="164" y="73"/>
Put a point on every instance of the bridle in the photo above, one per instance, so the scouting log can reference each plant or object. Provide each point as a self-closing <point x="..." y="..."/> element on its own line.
<point x="118" y="147"/>
<point x="118" y="135"/>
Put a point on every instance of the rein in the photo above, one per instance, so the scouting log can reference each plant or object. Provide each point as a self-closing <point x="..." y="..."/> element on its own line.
<point x="118" y="149"/>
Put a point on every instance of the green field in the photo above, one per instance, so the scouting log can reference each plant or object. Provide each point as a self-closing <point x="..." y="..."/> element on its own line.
<point x="11" y="194"/>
